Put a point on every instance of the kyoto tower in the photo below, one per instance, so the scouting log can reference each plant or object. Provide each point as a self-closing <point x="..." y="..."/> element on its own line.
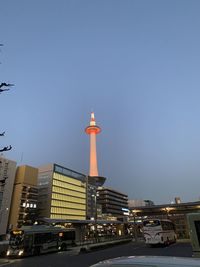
<point x="93" y="130"/>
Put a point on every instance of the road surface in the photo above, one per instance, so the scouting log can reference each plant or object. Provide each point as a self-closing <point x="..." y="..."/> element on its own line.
<point x="73" y="259"/>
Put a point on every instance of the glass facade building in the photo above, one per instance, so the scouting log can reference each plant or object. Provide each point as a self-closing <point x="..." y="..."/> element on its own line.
<point x="62" y="193"/>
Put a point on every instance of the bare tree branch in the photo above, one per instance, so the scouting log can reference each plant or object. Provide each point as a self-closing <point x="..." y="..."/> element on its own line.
<point x="5" y="85"/>
<point x="6" y="148"/>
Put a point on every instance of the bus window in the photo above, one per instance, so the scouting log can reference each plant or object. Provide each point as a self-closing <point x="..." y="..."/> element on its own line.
<point x="197" y="227"/>
<point x="67" y="235"/>
<point x="41" y="238"/>
<point x="28" y="243"/>
<point x="28" y="239"/>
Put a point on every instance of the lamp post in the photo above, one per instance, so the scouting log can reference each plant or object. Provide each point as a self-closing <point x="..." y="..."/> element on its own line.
<point x="95" y="215"/>
<point x="167" y="210"/>
<point x="134" y="219"/>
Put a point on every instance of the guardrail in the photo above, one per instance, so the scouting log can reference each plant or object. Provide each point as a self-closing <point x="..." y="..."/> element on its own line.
<point x="102" y="239"/>
<point x="91" y="246"/>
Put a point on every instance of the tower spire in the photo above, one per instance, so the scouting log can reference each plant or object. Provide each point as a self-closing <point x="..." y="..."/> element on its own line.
<point x="92" y="120"/>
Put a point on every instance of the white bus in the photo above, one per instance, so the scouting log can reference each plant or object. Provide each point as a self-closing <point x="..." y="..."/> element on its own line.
<point x="158" y="231"/>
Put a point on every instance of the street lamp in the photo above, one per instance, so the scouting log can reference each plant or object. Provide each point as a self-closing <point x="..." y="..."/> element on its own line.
<point x="95" y="214"/>
<point x="167" y="210"/>
<point x="135" y="230"/>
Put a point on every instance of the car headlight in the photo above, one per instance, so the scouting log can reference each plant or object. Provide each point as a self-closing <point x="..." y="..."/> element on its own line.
<point x="20" y="252"/>
<point x="8" y="253"/>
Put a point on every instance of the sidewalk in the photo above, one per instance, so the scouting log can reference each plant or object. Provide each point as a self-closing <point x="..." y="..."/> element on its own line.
<point x="183" y="241"/>
<point x="3" y="261"/>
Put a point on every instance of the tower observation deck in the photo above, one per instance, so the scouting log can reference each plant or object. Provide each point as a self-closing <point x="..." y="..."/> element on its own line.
<point x="93" y="130"/>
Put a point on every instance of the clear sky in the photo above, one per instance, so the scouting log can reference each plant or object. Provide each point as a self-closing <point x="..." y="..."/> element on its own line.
<point x="135" y="63"/>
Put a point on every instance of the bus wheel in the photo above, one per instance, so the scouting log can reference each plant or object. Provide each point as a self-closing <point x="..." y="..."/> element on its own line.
<point x="63" y="247"/>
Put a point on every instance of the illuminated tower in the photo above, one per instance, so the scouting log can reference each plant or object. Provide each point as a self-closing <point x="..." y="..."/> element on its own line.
<point x="93" y="130"/>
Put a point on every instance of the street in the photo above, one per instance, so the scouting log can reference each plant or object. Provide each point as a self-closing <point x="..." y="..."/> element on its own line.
<point x="71" y="259"/>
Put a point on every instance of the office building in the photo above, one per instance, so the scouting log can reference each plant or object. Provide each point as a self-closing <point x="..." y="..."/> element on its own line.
<point x="7" y="176"/>
<point x="114" y="203"/>
<point x="24" y="199"/>
<point x="62" y="193"/>
<point x="94" y="209"/>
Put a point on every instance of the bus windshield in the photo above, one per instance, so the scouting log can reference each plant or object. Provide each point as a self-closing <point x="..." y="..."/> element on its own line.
<point x="16" y="238"/>
<point x="151" y="223"/>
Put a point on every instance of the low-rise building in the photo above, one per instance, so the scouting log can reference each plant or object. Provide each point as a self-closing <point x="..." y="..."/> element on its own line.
<point x="139" y="203"/>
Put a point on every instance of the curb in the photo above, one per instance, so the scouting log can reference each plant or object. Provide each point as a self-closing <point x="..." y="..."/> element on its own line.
<point x="2" y="261"/>
<point x="183" y="241"/>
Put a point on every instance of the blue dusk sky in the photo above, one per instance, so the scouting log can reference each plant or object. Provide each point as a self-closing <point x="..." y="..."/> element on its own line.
<point x="135" y="63"/>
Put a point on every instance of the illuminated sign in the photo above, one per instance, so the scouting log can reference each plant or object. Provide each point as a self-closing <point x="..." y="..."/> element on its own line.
<point x="125" y="209"/>
<point x="17" y="232"/>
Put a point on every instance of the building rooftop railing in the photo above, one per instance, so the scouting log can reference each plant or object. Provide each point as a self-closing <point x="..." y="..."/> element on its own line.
<point x="69" y="173"/>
